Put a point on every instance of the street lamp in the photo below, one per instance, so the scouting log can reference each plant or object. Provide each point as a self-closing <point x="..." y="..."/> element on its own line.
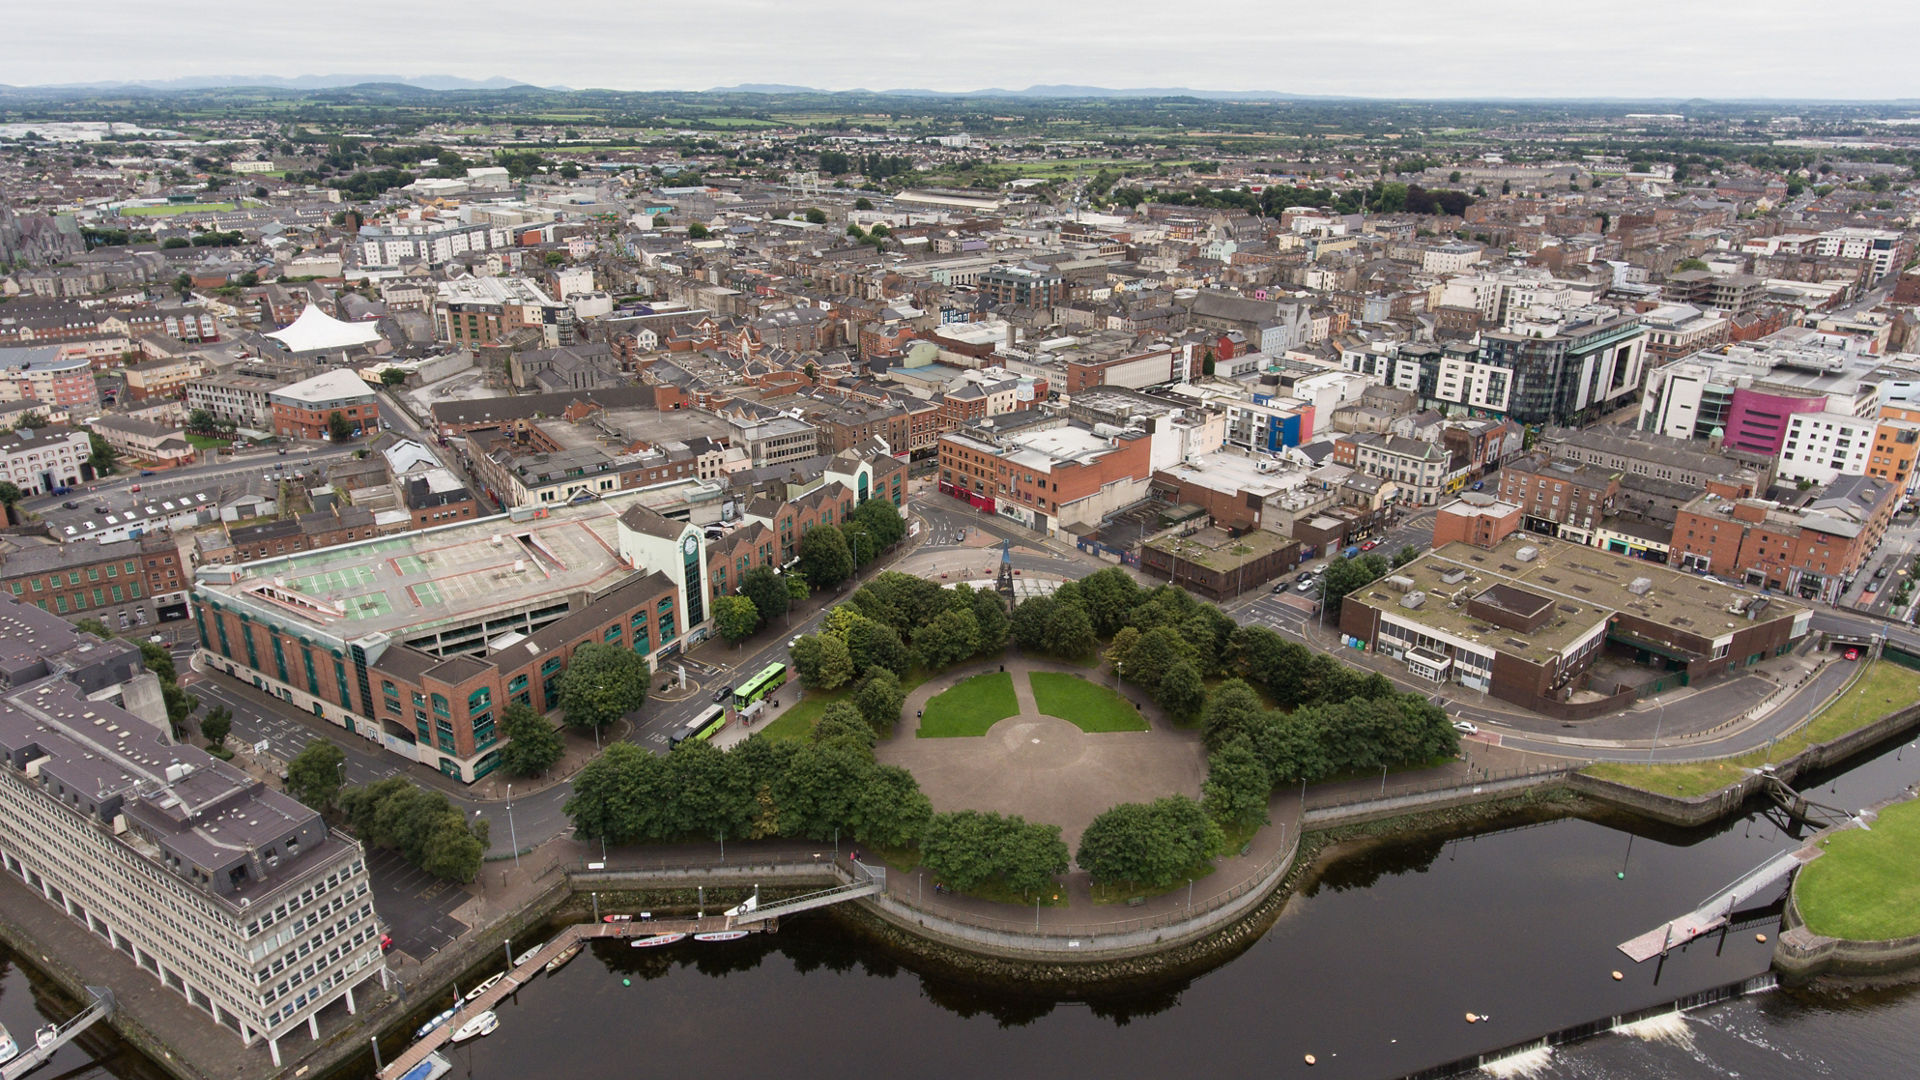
<point x="513" y="835"/>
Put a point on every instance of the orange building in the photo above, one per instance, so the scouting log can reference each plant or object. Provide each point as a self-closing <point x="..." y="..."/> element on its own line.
<point x="1896" y="444"/>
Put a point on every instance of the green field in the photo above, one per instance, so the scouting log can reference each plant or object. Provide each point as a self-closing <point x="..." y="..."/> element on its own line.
<point x="207" y="442"/>
<point x="1883" y="688"/>
<point x="1086" y="705"/>
<point x="1864" y="887"/>
<point x="970" y="707"/>
<point x="797" y="722"/>
<point x="177" y="208"/>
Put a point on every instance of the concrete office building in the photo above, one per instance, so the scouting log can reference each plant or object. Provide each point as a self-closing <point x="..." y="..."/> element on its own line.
<point x="230" y="894"/>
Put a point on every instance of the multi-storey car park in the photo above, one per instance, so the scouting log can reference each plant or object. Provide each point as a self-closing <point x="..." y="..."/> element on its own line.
<point x="230" y="894"/>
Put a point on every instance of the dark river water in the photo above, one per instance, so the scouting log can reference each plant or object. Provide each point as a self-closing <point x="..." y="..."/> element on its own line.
<point x="1372" y="971"/>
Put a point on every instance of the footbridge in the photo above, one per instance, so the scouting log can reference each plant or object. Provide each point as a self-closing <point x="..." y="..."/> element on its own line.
<point x="869" y="880"/>
<point x="33" y="1056"/>
<point x="1715" y="911"/>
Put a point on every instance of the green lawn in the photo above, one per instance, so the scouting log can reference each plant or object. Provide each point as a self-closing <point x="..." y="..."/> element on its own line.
<point x="1883" y="688"/>
<point x="1088" y="706"/>
<point x="1864" y="887"/>
<point x="970" y="707"/>
<point x="203" y="442"/>
<point x="798" y="721"/>
<point x="176" y="208"/>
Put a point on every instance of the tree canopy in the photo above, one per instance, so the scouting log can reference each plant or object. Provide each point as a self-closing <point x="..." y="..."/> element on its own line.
<point x="601" y="684"/>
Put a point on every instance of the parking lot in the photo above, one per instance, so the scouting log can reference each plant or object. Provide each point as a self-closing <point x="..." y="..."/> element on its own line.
<point x="418" y="907"/>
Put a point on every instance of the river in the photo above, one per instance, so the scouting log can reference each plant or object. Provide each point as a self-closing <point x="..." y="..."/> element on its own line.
<point x="1372" y="970"/>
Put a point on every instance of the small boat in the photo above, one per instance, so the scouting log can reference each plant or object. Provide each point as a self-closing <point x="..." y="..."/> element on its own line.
<point x="45" y="1035"/>
<point x="560" y="961"/>
<point x="657" y="939"/>
<point x="521" y="960"/>
<point x="474" y="994"/>
<point x="428" y="1027"/>
<point x="721" y="935"/>
<point x="616" y="918"/>
<point x="484" y="1024"/>
<point x="432" y="1068"/>
<point x="8" y="1048"/>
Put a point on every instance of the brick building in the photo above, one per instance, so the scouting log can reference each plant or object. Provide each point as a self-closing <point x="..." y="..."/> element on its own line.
<point x="305" y="409"/>
<point x="1559" y="498"/>
<point x="1811" y="550"/>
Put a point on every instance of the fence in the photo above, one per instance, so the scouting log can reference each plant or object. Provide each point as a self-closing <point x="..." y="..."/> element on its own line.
<point x="905" y="900"/>
<point x="1475" y="782"/>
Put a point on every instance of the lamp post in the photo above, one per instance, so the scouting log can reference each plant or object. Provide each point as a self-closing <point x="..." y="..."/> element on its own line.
<point x="513" y="834"/>
<point x="1189" y="898"/>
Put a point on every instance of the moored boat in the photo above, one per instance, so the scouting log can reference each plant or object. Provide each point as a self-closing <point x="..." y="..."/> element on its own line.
<point x="521" y="960"/>
<point x="424" y="1029"/>
<point x="484" y="1024"/>
<point x="8" y="1048"/>
<point x="432" y="1068"/>
<point x="658" y="939"/>
<point x="721" y="935"/>
<point x="560" y="961"/>
<point x="474" y="994"/>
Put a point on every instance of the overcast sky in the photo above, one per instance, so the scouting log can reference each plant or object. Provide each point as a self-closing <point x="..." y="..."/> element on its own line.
<point x="1386" y="48"/>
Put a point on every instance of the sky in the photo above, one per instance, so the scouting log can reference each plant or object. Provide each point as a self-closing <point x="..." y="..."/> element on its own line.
<point x="1854" y="49"/>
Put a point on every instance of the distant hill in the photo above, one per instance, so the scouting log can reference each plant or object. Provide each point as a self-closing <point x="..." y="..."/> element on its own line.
<point x="302" y="82"/>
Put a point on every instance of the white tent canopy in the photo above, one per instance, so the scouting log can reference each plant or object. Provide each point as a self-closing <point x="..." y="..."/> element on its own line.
<point x="317" y="331"/>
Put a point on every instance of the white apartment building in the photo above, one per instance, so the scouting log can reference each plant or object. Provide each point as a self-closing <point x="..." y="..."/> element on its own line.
<point x="39" y="460"/>
<point x="1880" y="247"/>
<point x="228" y="893"/>
<point x="1823" y="445"/>
<point x="1449" y="258"/>
<point x="1464" y="380"/>
<point x="435" y="243"/>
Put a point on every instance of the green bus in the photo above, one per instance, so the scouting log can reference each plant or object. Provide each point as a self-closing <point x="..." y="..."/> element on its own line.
<point x="771" y="678"/>
<point x="702" y="729"/>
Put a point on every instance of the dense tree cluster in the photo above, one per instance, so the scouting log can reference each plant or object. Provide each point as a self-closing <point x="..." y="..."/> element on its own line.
<point x="968" y="849"/>
<point x="601" y="684"/>
<point x="423" y="826"/>
<point x="1152" y="845"/>
<point x="896" y="621"/>
<point x="827" y="786"/>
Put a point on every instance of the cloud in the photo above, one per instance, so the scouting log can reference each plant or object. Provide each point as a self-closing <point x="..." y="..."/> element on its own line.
<point x="1389" y="48"/>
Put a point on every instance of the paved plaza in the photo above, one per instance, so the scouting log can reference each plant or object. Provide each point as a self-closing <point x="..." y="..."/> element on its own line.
<point x="1041" y="767"/>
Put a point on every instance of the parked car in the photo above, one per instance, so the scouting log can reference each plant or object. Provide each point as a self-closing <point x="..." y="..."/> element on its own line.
<point x="1465" y="727"/>
<point x="283" y="450"/>
<point x="1369" y="545"/>
<point x="135" y="489"/>
<point x="1304" y="575"/>
<point x="1308" y="585"/>
<point x="1279" y="586"/>
<point x="792" y="641"/>
<point x="71" y="505"/>
<point x="146" y="472"/>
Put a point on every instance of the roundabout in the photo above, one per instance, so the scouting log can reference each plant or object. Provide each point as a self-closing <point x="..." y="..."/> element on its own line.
<point x="1042" y="767"/>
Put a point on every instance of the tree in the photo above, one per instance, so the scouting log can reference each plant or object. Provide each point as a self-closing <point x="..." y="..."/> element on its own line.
<point x="736" y="617"/>
<point x="990" y="616"/>
<point x="860" y="543"/>
<point x="882" y="519"/>
<point x="768" y="593"/>
<point x="951" y="637"/>
<point x="843" y="720"/>
<point x="1237" y="787"/>
<point x="1232" y="714"/>
<point x="101" y="455"/>
<point x="822" y="661"/>
<point x="1181" y="692"/>
<point x="1109" y="597"/>
<point x="880" y="698"/>
<point x="863" y="203"/>
<point x="1150" y="845"/>
<point x="533" y="742"/>
<point x="569" y="171"/>
<point x="697" y="231"/>
<point x="215" y="726"/>
<point x="890" y="810"/>
<point x="601" y="684"/>
<point x="315" y="774"/>
<point x="338" y="428"/>
<point x="392" y="376"/>
<point x="200" y="420"/>
<point x="10" y="496"/>
<point x="615" y="794"/>
<point x="93" y="626"/>
<point x="816" y="216"/>
<point x="1070" y="631"/>
<point x="182" y="284"/>
<point x="1345" y="575"/>
<point x="968" y="848"/>
<point x="824" y="558"/>
<point x="1687" y="264"/>
<point x="1028" y="624"/>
